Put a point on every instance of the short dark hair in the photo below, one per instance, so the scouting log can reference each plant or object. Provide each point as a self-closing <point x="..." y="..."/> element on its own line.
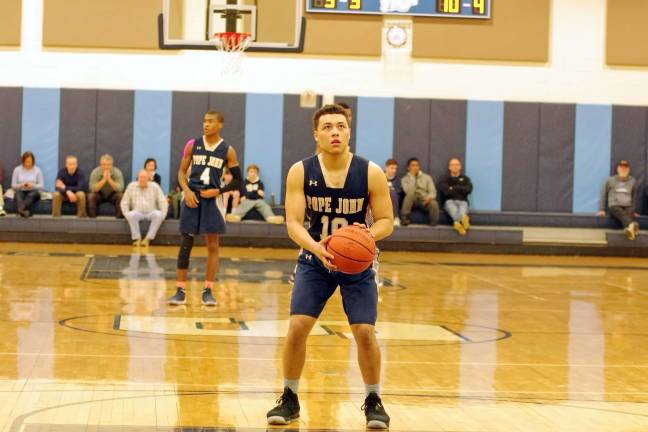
<point x="253" y="166"/>
<point x="150" y="160"/>
<point x="454" y="158"/>
<point x="330" y="109"/>
<point x="349" y="110"/>
<point x="26" y="155"/>
<point x="218" y="114"/>
<point x="413" y="159"/>
<point x="391" y="162"/>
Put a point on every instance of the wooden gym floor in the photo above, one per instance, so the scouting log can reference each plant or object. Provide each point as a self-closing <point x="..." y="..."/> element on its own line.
<point x="469" y="342"/>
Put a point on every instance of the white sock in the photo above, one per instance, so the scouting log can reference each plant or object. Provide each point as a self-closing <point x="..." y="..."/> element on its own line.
<point x="372" y="388"/>
<point x="292" y="384"/>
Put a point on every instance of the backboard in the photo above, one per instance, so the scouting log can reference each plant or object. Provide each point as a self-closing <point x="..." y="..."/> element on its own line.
<point x="275" y="25"/>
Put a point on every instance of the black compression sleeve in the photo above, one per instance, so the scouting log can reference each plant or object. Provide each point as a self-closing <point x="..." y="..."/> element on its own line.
<point x="235" y="184"/>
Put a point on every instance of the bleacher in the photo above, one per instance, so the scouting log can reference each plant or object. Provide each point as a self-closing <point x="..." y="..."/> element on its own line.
<point x="493" y="232"/>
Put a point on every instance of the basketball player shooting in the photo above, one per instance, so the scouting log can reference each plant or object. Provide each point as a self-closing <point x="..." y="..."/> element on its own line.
<point x="336" y="188"/>
<point x="200" y="215"/>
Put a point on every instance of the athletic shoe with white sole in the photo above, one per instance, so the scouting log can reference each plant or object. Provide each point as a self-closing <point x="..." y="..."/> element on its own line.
<point x="377" y="417"/>
<point x="207" y="297"/>
<point x="287" y="409"/>
<point x="179" y="298"/>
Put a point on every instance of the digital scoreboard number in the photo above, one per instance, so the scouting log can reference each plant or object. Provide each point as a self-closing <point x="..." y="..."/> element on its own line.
<point x="431" y="8"/>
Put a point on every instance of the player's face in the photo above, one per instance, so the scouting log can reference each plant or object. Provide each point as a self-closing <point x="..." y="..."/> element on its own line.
<point x="71" y="165"/>
<point x="253" y="174"/>
<point x="390" y="170"/>
<point x="332" y="134"/>
<point x="454" y="167"/>
<point x="211" y="125"/>
<point x="150" y="167"/>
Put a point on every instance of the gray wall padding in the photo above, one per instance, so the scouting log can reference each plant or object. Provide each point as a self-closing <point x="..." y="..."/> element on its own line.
<point x="115" y="128"/>
<point x="556" y="158"/>
<point x="520" y="156"/>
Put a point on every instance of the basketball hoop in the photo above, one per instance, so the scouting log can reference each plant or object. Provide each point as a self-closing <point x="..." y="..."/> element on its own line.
<point x="231" y="45"/>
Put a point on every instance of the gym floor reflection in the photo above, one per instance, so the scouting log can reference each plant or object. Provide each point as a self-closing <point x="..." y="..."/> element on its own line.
<point x="469" y="342"/>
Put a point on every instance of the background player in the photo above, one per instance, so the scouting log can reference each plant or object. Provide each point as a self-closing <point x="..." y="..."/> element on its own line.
<point x="207" y="156"/>
<point x="333" y="174"/>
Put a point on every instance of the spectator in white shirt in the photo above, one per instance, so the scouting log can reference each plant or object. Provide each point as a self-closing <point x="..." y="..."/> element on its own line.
<point x="144" y="200"/>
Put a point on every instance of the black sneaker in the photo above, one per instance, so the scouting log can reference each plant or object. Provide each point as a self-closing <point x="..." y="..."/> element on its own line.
<point x="287" y="409"/>
<point x="377" y="417"/>
<point x="207" y="297"/>
<point x="404" y="220"/>
<point x="179" y="298"/>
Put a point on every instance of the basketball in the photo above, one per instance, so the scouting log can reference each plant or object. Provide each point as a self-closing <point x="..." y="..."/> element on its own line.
<point x="354" y="249"/>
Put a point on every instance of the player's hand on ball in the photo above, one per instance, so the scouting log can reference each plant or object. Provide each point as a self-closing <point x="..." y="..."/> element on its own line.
<point x="190" y="199"/>
<point x="324" y="255"/>
<point x="209" y="193"/>
<point x="363" y="226"/>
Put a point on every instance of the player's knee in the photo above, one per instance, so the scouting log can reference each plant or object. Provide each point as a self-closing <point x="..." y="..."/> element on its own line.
<point x="212" y="248"/>
<point x="298" y="331"/>
<point x="364" y="335"/>
<point x="186" y="244"/>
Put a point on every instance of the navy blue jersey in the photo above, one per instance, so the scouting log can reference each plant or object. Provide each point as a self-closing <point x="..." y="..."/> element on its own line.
<point x="207" y="166"/>
<point x="329" y="209"/>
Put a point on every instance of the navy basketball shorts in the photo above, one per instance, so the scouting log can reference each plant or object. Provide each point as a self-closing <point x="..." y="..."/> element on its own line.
<point x="314" y="285"/>
<point x="204" y="219"/>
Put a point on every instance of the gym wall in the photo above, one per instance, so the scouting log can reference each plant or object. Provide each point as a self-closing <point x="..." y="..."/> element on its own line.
<point x="107" y="24"/>
<point x="517" y="31"/>
<point x="536" y="157"/>
<point x="10" y="22"/>
<point x="627" y="33"/>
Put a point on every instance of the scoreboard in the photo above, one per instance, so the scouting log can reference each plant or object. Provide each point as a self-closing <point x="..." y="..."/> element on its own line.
<point x="429" y="8"/>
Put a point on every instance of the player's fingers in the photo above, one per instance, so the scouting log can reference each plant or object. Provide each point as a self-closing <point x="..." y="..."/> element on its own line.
<point x="329" y="265"/>
<point x="326" y="254"/>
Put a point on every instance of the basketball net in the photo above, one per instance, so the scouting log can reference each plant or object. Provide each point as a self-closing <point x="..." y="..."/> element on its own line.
<point x="231" y="45"/>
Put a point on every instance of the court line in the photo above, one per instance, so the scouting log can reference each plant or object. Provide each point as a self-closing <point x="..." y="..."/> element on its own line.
<point x="328" y="360"/>
<point x="459" y="335"/>
<point x="505" y="334"/>
<point x="19" y="421"/>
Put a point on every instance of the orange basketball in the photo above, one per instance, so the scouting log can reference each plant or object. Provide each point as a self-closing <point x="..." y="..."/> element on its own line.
<point x="354" y="249"/>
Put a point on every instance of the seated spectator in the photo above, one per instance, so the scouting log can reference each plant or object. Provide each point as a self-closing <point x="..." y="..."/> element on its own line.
<point x="234" y="196"/>
<point x="70" y="186"/>
<point x="455" y="188"/>
<point x="619" y="195"/>
<point x="106" y="184"/>
<point x="253" y="193"/>
<point x="27" y="182"/>
<point x="151" y="167"/>
<point x="144" y="200"/>
<point x="395" y="187"/>
<point x="2" y="210"/>
<point x="419" y="193"/>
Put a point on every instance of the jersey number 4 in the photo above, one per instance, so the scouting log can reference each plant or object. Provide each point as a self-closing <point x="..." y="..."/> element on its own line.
<point x="336" y="224"/>
<point x="205" y="177"/>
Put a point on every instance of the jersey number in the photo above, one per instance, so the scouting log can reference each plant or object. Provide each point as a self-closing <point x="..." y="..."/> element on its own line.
<point x="336" y="224"/>
<point x="205" y="177"/>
